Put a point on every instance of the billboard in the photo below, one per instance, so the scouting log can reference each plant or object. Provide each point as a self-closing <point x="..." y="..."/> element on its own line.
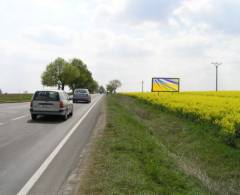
<point x="165" y="84"/>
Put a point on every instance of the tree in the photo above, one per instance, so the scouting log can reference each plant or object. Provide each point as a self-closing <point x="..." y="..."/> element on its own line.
<point x="70" y="74"/>
<point x="113" y="85"/>
<point x="93" y="86"/>
<point x="101" y="90"/>
<point x="85" y="79"/>
<point x="1" y="92"/>
<point x="55" y="73"/>
<point x="82" y="80"/>
<point x="74" y="73"/>
<point x="109" y="88"/>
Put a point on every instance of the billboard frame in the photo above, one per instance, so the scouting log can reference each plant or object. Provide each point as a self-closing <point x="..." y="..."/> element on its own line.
<point x="166" y="78"/>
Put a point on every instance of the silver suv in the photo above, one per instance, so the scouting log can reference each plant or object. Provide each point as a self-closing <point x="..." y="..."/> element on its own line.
<point x="51" y="102"/>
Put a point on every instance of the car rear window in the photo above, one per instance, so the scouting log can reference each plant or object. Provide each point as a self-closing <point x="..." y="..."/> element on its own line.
<point x="46" y="96"/>
<point x="80" y="91"/>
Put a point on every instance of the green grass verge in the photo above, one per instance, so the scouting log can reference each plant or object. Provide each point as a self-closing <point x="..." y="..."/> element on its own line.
<point x="135" y="154"/>
<point x="14" y="98"/>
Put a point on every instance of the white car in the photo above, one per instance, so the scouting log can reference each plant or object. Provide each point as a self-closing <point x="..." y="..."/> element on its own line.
<point x="51" y="102"/>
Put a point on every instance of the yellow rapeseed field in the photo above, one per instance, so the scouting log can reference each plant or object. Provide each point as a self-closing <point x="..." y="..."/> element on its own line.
<point x="218" y="108"/>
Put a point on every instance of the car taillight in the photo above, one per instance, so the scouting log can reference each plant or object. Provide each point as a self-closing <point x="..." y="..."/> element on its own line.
<point x="31" y="104"/>
<point x="61" y="104"/>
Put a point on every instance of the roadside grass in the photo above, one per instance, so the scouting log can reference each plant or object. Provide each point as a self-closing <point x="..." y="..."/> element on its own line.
<point x="197" y="148"/>
<point x="14" y="98"/>
<point x="130" y="156"/>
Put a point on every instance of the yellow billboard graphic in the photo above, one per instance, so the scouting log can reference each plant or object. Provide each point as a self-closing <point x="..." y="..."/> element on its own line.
<point x="165" y="84"/>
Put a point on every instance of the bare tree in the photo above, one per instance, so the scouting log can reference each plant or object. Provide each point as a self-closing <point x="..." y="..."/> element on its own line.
<point x="113" y="85"/>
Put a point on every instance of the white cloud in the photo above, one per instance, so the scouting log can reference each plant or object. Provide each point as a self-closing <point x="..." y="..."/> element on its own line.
<point x="131" y="40"/>
<point x="49" y="35"/>
<point x="151" y="10"/>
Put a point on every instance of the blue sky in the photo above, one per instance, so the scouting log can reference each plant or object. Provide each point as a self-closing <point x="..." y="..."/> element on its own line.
<point x="129" y="40"/>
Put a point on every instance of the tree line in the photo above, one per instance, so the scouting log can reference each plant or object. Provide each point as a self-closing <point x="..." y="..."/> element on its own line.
<point x="74" y="74"/>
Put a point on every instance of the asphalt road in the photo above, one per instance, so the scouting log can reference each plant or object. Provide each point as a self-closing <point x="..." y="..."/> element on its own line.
<point x="26" y="147"/>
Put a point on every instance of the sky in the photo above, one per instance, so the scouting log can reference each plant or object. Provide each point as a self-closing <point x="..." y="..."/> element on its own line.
<point x="129" y="40"/>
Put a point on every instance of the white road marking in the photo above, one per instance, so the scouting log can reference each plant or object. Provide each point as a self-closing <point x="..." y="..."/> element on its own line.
<point x="14" y="119"/>
<point x="30" y="183"/>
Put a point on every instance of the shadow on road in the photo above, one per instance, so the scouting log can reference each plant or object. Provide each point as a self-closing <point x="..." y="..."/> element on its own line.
<point x="47" y="120"/>
<point x="82" y="102"/>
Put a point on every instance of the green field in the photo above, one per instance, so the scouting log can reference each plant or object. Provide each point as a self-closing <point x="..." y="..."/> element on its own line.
<point x="14" y="98"/>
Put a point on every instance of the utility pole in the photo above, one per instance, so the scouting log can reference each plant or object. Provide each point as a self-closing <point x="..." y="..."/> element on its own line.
<point x="142" y="86"/>
<point x="216" y="64"/>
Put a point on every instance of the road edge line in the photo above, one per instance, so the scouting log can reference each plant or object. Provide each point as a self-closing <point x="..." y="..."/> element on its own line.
<point x="20" y="117"/>
<point x="30" y="183"/>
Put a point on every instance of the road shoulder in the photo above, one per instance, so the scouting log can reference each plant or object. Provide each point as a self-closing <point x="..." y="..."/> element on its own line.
<point x="76" y="178"/>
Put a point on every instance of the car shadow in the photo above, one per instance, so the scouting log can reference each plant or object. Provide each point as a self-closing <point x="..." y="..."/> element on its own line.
<point x="81" y="102"/>
<point x="47" y="120"/>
